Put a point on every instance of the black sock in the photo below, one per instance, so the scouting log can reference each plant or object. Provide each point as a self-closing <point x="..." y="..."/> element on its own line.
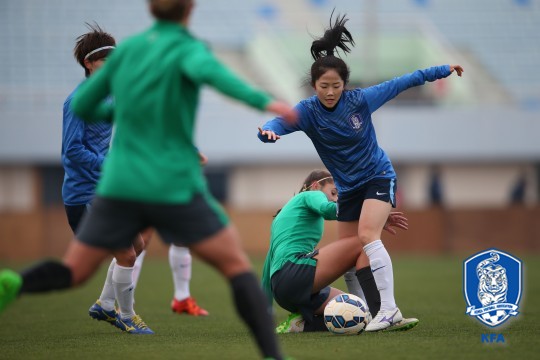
<point x="46" y="276"/>
<point x="316" y="325"/>
<point x="253" y="307"/>
<point x="369" y="287"/>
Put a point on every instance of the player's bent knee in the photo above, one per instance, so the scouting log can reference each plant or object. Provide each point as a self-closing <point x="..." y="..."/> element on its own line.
<point x="366" y="238"/>
<point x="79" y="275"/>
<point x="353" y="245"/>
<point x="231" y="272"/>
<point x="126" y="258"/>
<point x="140" y="243"/>
<point x="233" y="264"/>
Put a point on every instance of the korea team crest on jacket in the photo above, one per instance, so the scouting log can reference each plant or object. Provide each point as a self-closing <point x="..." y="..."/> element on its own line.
<point x="356" y="122"/>
<point x="492" y="284"/>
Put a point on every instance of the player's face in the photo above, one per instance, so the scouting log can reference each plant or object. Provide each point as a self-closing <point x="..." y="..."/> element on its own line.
<point x="329" y="189"/>
<point x="94" y="65"/>
<point x="329" y="88"/>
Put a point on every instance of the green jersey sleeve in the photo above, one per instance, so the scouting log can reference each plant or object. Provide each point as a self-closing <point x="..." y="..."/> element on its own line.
<point x="318" y="202"/>
<point x="89" y="103"/>
<point x="202" y="67"/>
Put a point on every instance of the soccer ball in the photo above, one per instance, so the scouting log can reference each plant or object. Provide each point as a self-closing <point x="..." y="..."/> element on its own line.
<point x="346" y="314"/>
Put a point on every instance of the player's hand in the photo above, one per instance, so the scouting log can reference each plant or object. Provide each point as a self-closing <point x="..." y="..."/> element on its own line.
<point x="396" y="219"/>
<point x="283" y="110"/>
<point x="459" y="70"/>
<point x="203" y="158"/>
<point x="269" y="134"/>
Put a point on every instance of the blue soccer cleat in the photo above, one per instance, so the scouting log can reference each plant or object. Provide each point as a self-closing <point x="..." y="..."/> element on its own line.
<point x="10" y="284"/>
<point x="98" y="313"/>
<point x="133" y="325"/>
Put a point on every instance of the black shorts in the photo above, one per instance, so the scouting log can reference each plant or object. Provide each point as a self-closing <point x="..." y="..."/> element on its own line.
<point x="75" y="214"/>
<point x="349" y="206"/>
<point x="292" y="288"/>
<point x="114" y="223"/>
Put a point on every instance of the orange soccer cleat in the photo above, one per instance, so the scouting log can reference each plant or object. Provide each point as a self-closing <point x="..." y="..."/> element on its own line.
<point x="188" y="306"/>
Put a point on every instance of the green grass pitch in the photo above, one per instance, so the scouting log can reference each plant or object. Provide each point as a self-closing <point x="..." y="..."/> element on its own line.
<point x="57" y="325"/>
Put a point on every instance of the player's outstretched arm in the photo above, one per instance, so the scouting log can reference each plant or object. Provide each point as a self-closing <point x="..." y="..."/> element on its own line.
<point x="269" y="134"/>
<point x="287" y="122"/>
<point x="283" y="110"/>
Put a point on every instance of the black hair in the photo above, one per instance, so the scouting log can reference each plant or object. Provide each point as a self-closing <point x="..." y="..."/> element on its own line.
<point x="91" y="41"/>
<point x="169" y="10"/>
<point x="323" y="49"/>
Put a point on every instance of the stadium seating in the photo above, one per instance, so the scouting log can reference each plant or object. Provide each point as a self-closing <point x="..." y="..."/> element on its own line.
<point x="504" y="36"/>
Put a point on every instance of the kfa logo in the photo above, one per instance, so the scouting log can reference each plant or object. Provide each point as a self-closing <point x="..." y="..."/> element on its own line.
<point x="492" y="338"/>
<point x="356" y="121"/>
<point x="492" y="282"/>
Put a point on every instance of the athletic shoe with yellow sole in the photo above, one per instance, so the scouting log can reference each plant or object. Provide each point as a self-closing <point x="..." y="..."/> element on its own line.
<point x="100" y="314"/>
<point x="10" y="284"/>
<point x="133" y="325"/>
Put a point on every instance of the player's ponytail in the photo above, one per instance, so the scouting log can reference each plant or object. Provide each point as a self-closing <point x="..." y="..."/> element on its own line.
<point x="337" y="36"/>
<point x="324" y="49"/>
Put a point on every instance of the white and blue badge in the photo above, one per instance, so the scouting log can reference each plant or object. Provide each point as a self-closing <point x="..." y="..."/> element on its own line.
<point x="356" y="122"/>
<point x="492" y="284"/>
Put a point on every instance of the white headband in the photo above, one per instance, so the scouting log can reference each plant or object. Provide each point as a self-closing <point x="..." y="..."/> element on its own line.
<point x="98" y="49"/>
<point x="318" y="181"/>
<point x="325" y="178"/>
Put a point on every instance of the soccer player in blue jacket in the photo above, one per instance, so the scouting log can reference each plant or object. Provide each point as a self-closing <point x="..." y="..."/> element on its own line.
<point x="339" y="123"/>
<point x="84" y="147"/>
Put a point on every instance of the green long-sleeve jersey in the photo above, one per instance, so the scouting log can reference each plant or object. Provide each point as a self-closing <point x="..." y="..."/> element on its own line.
<point x="297" y="229"/>
<point x="155" y="79"/>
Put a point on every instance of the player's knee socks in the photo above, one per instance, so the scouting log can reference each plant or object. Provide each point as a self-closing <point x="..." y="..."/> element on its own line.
<point x="253" y="307"/>
<point x="365" y="278"/>
<point x="381" y="266"/>
<point x="180" y="262"/>
<point x="123" y="290"/>
<point x="45" y="276"/>
<point x="353" y="284"/>
<point x="137" y="268"/>
<point x="107" y="294"/>
<point x="317" y="324"/>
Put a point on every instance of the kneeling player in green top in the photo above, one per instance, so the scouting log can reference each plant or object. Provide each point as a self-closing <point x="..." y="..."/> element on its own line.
<point x="297" y="274"/>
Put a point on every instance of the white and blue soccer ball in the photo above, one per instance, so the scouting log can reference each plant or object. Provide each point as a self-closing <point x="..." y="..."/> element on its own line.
<point x="346" y="314"/>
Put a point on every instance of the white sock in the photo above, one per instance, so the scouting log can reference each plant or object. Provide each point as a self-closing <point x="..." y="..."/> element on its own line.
<point x="353" y="285"/>
<point x="180" y="261"/>
<point x="107" y="294"/>
<point x="381" y="266"/>
<point x="137" y="268"/>
<point x="123" y="289"/>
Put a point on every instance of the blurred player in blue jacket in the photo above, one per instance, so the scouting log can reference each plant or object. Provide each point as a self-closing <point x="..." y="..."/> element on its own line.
<point x="84" y="147"/>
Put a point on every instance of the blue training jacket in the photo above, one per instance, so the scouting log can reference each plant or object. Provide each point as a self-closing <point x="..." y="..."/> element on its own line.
<point x="84" y="147"/>
<point x="345" y="137"/>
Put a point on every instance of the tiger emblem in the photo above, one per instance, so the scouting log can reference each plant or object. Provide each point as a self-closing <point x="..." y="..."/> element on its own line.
<point x="492" y="285"/>
<point x="492" y="281"/>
